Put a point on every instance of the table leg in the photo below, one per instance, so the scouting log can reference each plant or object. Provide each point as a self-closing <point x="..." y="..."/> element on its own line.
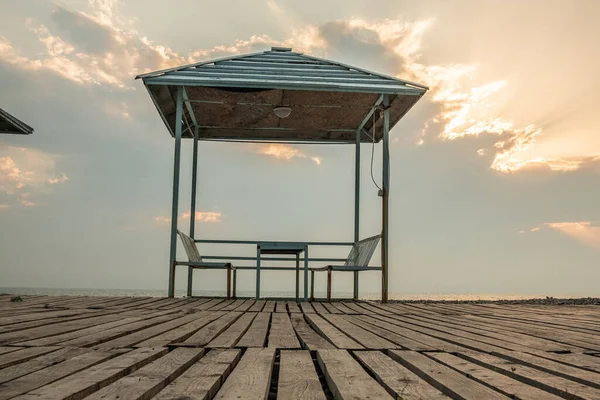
<point x="257" y="272"/>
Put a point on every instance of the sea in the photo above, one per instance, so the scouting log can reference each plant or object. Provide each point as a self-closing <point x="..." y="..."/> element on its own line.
<point x="265" y="294"/>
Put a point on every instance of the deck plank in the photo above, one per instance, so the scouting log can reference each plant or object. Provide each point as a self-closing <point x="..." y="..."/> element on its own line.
<point x="280" y="307"/>
<point x="256" y="335"/>
<point x="309" y="338"/>
<point x="17" y="370"/>
<point x="293" y="307"/>
<point x="319" y="308"/>
<point x="533" y="377"/>
<point x="212" y="330"/>
<point x="282" y="334"/>
<point x="269" y="306"/>
<point x="46" y="376"/>
<point x="24" y="354"/>
<point x="182" y="332"/>
<point x="134" y="338"/>
<point x="298" y="378"/>
<point x="446" y="380"/>
<point x="307" y="308"/>
<point x="245" y="306"/>
<point x="251" y="378"/>
<point x="57" y="339"/>
<point x="113" y="333"/>
<point x="510" y="387"/>
<point x="329" y="307"/>
<point x="203" y="379"/>
<point x="231" y="335"/>
<point x="589" y="378"/>
<point x="397" y="379"/>
<point x="367" y="339"/>
<point x="147" y="381"/>
<point x="54" y="329"/>
<point x="257" y="306"/>
<point x="333" y="334"/>
<point x="346" y="378"/>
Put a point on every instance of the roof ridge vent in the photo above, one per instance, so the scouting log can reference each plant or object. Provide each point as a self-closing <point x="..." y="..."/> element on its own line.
<point x="281" y="48"/>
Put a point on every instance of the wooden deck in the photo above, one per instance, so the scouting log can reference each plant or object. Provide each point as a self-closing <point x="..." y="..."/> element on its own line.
<point x="201" y="348"/>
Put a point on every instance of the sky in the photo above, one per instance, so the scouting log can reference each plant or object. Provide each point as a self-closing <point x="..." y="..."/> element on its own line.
<point x="494" y="173"/>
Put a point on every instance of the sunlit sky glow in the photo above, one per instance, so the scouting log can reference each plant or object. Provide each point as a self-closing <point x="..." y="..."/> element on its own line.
<point x="494" y="172"/>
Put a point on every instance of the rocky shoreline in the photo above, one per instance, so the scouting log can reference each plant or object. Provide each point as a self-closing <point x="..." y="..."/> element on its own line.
<point x="582" y="301"/>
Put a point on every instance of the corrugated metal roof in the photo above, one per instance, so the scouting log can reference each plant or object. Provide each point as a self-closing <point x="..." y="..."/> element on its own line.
<point x="10" y="124"/>
<point x="233" y="98"/>
<point x="282" y="68"/>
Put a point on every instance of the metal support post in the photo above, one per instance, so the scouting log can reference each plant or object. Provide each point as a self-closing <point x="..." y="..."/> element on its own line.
<point x="175" y="205"/>
<point x="305" y="273"/>
<point x="312" y="285"/>
<point x="257" y="272"/>
<point x="385" y="240"/>
<point x="193" y="204"/>
<point x="234" y="283"/>
<point x="297" y="276"/>
<point x="189" y="282"/>
<point x="356" y="204"/>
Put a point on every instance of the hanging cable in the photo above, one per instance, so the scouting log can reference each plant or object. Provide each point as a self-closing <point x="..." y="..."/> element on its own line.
<point x="373" y="150"/>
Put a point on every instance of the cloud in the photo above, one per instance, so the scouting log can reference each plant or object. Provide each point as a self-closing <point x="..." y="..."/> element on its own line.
<point x="285" y="152"/>
<point x="117" y="109"/>
<point x="62" y="179"/>
<point x="102" y="48"/>
<point x="201" y="216"/>
<point x="466" y="108"/>
<point x="25" y="172"/>
<point x="585" y="232"/>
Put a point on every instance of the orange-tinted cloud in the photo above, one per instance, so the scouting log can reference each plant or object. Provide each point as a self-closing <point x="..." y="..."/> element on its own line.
<point x="585" y="232"/>
<point x="26" y="173"/>
<point x="285" y="152"/>
<point x="201" y="216"/>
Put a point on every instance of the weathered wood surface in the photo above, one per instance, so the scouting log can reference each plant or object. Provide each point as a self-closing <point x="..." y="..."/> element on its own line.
<point x="298" y="378"/>
<point x="251" y="378"/>
<point x="78" y="347"/>
<point x="347" y="379"/>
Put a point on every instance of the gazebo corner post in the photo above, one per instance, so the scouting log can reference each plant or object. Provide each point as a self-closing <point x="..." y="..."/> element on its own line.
<point x="305" y="273"/>
<point x="258" y="272"/>
<point x="193" y="206"/>
<point x="194" y="180"/>
<point x="175" y="204"/>
<point x="356" y="203"/>
<point x="385" y="201"/>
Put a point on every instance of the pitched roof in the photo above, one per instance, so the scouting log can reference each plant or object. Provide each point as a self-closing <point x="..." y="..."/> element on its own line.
<point x="10" y="124"/>
<point x="234" y="97"/>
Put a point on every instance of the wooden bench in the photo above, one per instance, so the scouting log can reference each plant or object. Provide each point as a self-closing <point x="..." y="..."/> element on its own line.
<point x="196" y="262"/>
<point x="358" y="260"/>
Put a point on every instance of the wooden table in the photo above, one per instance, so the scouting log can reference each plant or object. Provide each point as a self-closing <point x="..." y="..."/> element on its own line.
<point x="284" y="248"/>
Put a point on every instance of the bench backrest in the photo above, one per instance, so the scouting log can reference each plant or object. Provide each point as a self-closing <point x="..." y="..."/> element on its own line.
<point x="362" y="251"/>
<point x="190" y="247"/>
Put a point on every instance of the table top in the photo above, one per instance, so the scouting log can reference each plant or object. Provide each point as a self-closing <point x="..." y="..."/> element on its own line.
<point x="281" y="248"/>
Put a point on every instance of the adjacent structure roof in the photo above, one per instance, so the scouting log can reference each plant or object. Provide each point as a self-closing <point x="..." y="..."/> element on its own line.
<point x="233" y="98"/>
<point x="10" y="124"/>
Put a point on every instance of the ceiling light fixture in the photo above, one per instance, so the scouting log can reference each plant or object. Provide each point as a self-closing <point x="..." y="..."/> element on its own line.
<point x="282" y="112"/>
